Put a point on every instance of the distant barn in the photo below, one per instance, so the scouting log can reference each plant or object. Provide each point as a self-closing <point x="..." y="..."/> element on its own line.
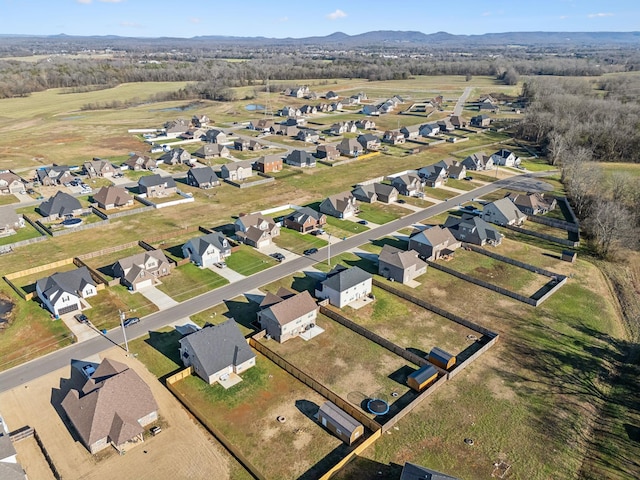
<point x="422" y="378"/>
<point x="442" y="359"/>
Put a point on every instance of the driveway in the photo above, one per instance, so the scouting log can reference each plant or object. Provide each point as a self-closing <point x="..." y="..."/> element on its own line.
<point x="227" y="273"/>
<point x="457" y="110"/>
<point x="158" y="298"/>
<point x="273" y="248"/>
<point x="82" y="331"/>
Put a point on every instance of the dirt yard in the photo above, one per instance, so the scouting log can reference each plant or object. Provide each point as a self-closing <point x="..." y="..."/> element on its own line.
<point x="183" y="449"/>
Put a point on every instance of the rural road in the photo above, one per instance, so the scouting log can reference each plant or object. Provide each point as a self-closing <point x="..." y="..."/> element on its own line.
<point x="29" y="371"/>
<point x="457" y="110"/>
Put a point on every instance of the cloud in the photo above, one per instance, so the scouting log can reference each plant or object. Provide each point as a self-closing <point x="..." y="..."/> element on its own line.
<point x="599" y="15"/>
<point x="336" y="15"/>
<point x="564" y="17"/>
<point x="486" y="14"/>
<point x="283" y="19"/>
<point x="195" y="20"/>
<point x="130" y="24"/>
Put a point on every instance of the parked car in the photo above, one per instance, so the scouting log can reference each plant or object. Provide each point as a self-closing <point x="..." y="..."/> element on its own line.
<point x="81" y="317"/>
<point x="468" y="178"/>
<point x="278" y="256"/>
<point x="363" y="222"/>
<point x="311" y="251"/>
<point x="401" y="201"/>
<point x="221" y="264"/>
<point x="131" y="321"/>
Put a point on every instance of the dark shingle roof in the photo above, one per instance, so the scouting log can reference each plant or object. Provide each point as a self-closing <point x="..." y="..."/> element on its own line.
<point x="218" y="240"/>
<point x="60" y="283"/>
<point x="155" y="179"/>
<point x="341" y="279"/>
<point x="61" y="203"/>
<point x="204" y="175"/>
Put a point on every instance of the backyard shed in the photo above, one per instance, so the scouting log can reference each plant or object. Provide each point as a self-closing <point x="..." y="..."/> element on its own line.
<point x="342" y="425"/>
<point x="441" y="359"/>
<point x="569" y="256"/>
<point x="422" y="377"/>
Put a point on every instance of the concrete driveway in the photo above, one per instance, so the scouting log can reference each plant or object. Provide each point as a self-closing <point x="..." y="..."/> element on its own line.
<point x="158" y="298"/>
<point x="273" y="248"/>
<point x="227" y="273"/>
<point x="82" y="331"/>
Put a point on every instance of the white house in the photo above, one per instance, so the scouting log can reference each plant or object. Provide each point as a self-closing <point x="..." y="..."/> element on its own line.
<point x="61" y="292"/>
<point x="345" y="285"/>
<point x="505" y="157"/>
<point x="206" y="250"/>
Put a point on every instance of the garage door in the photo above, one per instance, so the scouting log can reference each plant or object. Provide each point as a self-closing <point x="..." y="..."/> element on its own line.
<point x="68" y="309"/>
<point x="146" y="283"/>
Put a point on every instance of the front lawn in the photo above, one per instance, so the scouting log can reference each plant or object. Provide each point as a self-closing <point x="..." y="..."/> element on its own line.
<point x="381" y="213"/>
<point x="23" y="233"/>
<point x="343" y="228"/>
<point x="188" y="281"/>
<point x="297" y="242"/>
<point x="109" y="302"/>
<point x="247" y="261"/>
<point x="8" y="199"/>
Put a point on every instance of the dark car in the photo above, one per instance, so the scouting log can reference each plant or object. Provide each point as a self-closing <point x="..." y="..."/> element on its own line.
<point x="278" y="256"/>
<point x="363" y="222"/>
<point x="81" y="317"/>
<point x="311" y="251"/>
<point x="131" y="321"/>
<point x="401" y="201"/>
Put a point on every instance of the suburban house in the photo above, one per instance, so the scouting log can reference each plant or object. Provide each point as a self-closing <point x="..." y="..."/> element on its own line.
<point x="217" y="351"/>
<point x="174" y="128"/>
<point x="308" y="110"/>
<point x="212" y="150"/>
<point x="503" y="212"/>
<point x="99" y="168"/>
<point x="285" y="130"/>
<point x="481" y="121"/>
<point x="533" y="203"/>
<point x="111" y="408"/>
<point x="410" y="132"/>
<point x="446" y="125"/>
<point x="10" y="222"/>
<point x="262" y="125"/>
<point x="458" y="171"/>
<point x="10" y="468"/>
<point x="435" y="170"/>
<point x="408" y="184"/>
<point x="62" y="291"/>
<point x="369" y="141"/>
<point x="207" y="249"/>
<point x="433" y="243"/>
<point x="340" y="423"/>
<point x="215" y="136"/>
<point x="269" y="163"/>
<point x="288" y="317"/>
<point x="394" y="137"/>
<point x="304" y="220"/>
<point x="366" y="124"/>
<point x="193" y="134"/>
<point x="340" y="205"/>
<point x="59" y="206"/>
<point x="56" y="175"/>
<point x="200" y="121"/>
<point x="429" y="130"/>
<point x="328" y="152"/>
<point x="341" y="128"/>
<point x="478" y="161"/>
<point x="300" y="158"/>
<point x="458" y="121"/>
<point x="399" y="265"/>
<point x="10" y="183"/>
<point x="202" y="177"/>
<point x="488" y="107"/>
<point x="473" y="229"/>
<point x="308" y="135"/>
<point x="256" y="230"/>
<point x="331" y="95"/>
<point x="236" y="171"/>
<point x="112" y="197"/>
<point x="176" y="156"/>
<point x="350" y="147"/>
<point x="370" y="110"/>
<point x="412" y="471"/>
<point x="375" y="192"/>
<point x="241" y="144"/>
<point x="299" y="92"/>
<point x="140" y="162"/>
<point x="345" y="285"/>
<point x="335" y="106"/>
<point x="291" y="112"/>
<point x="505" y="157"/>
<point x="141" y="270"/>
<point x="155" y="186"/>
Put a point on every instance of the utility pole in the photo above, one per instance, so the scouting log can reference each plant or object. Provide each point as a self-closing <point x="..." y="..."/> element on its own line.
<point x="124" y="332"/>
<point x="329" y="251"/>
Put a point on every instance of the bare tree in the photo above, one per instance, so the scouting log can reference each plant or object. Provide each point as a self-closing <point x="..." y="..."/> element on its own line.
<point x="609" y="224"/>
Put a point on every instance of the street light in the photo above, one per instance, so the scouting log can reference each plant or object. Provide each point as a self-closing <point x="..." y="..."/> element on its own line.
<point x="124" y="332"/>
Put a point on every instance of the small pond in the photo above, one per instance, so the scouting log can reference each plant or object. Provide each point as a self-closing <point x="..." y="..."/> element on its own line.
<point x="254" y="107"/>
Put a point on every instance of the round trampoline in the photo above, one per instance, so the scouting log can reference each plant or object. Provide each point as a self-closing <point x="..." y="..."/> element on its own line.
<point x="377" y="406"/>
<point x="71" y="222"/>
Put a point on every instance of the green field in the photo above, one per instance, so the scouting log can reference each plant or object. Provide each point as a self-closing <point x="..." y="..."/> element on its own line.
<point x="188" y="281"/>
<point x="247" y="261"/>
<point x="381" y="213"/>
<point x="297" y="242"/>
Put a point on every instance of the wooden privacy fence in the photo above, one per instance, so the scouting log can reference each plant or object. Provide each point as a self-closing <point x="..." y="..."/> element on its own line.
<point x="361" y="447"/>
<point x="545" y="236"/>
<point x="27" y="432"/>
<point x="317" y="387"/>
<point x="554" y="222"/>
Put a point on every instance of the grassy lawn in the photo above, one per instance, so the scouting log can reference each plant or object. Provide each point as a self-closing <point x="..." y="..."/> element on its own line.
<point x="372" y="370"/>
<point x="630" y="169"/>
<point x="241" y="309"/>
<point x="107" y="304"/>
<point x="462" y="184"/>
<point x="381" y="213"/>
<point x="135" y="175"/>
<point x="247" y="261"/>
<point x="343" y="228"/>
<point x="439" y="193"/>
<point x="28" y="282"/>
<point x="297" y="242"/>
<point x="8" y="199"/>
<point x="347" y="259"/>
<point x="188" y="281"/>
<point x="23" y="233"/>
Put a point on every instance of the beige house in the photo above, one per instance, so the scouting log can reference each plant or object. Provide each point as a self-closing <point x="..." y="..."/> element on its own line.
<point x="112" y="197"/>
<point x="288" y="315"/>
<point x="142" y="270"/>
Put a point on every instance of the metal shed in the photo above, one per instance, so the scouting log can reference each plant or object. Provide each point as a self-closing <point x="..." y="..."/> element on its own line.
<point x="422" y="377"/>
<point x="342" y="425"/>
<point x="569" y="256"/>
<point x="441" y="359"/>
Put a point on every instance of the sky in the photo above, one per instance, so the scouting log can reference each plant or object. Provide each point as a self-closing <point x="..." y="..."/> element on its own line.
<point x="280" y="19"/>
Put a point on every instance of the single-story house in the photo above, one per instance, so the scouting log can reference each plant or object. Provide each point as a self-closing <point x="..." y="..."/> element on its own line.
<point x="285" y="130"/>
<point x="481" y="120"/>
<point x="10" y="222"/>
<point x="99" y="168"/>
<point x="256" y="230"/>
<point x="10" y="182"/>
<point x="478" y="161"/>
<point x="262" y="125"/>
<point x="366" y="124"/>
<point x="111" y="408"/>
<point x="458" y="121"/>
<point x="288" y="317"/>
<point x="375" y="192"/>
<point x="304" y="220"/>
<point x="300" y="158"/>
<point x="503" y="212"/>
<point x="408" y="184"/>
<point x="241" y="144"/>
<point x="370" y="110"/>
<point x="399" y="265"/>
<point x="446" y="125"/>
<point x="202" y="177"/>
<point x="155" y="186"/>
<point x="533" y="203"/>
<point x="108" y="198"/>
<point x="142" y="269"/>
<point x="207" y="249"/>
<point x="369" y="141"/>
<point x="345" y="285"/>
<point x="338" y="422"/>
<point x="212" y="150"/>
<point x="340" y="205"/>
<point x="458" y="171"/>
<point x="176" y="156"/>
<point x="350" y="147"/>
<point x="429" y="130"/>
<point x="423" y="377"/>
<point x="341" y="128"/>
<point x="10" y="468"/>
<point x="59" y="206"/>
<point x="140" y="162"/>
<point x="193" y="134"/>
<point x="55" y="175"/>
<point x="432" y="243"/>
<point x="269" y="163"/>
<point x="329" y="152"/>
<point x="411" y="131"/>
<point x="217" y="351"/>
<point x="236" y="171"/>
<point x="473" y="229"/>
<point x="174" y="128"/>
<point x="61" y="292"/>
<point x="200" y="121"/>
<point x="505" y="157"/>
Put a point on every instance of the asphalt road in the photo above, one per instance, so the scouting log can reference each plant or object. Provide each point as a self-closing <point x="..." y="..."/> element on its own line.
<point x="457" y="110"/>
<point x="29" y="371"/>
